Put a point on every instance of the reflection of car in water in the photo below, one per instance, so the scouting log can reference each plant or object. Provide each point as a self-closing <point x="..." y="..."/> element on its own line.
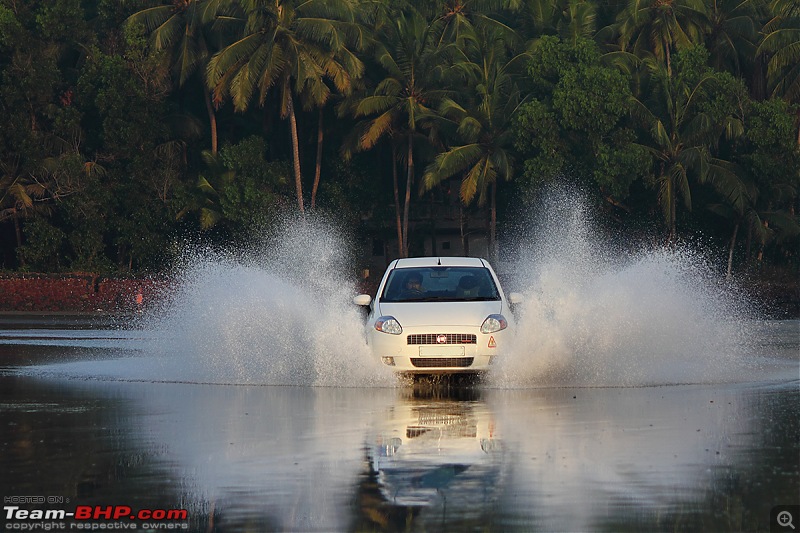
<point x="439" y="315"/>
<point x="438" y="456"/>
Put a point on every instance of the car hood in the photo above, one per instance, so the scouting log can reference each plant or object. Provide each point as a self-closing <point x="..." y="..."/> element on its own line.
<point x="414" y="314"/>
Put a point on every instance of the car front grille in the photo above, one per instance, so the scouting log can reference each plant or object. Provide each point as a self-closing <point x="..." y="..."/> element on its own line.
<point x="437" y="362"/>
<point x="451" y="338"/>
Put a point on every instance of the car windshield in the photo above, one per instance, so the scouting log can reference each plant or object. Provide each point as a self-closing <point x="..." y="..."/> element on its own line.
<point x="440" y="284"/>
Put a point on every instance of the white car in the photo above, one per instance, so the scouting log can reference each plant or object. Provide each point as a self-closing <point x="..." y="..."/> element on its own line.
<point x="439" y="315"/>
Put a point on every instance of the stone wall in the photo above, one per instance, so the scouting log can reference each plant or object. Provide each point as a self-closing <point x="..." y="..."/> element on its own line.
<point x="78" y="293"/>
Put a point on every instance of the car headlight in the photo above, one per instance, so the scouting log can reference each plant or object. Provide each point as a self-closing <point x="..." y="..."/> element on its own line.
<point x="388" y="324"/>
<point x="494" y="323"/>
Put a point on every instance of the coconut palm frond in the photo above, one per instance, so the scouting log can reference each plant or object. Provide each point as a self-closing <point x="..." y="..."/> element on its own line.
<point x="727" y="180"/>
<point x="377" y="128"/>
<point x="454" y="161"/>
<point x="205" y="186"/>
<point x="371" y="105"/>
<point x="151" y="18"/>
<point x="681" y="179"/>
<point x="503" y="164"/>
<point x="191" y="53"/>
<point x="469" y="128"/>
<point x="93" y="168"/>
<point x="209" y="218"/>
<point x="19" y="192"/>
<point x="231" y="57"/>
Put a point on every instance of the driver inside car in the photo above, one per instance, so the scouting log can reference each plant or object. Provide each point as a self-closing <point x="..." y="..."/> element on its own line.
<point x="413" y="287"/>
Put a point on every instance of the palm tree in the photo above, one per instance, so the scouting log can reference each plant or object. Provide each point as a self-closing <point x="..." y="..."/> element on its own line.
<point x="413" y="66"/>
<point x="660" y="27"/>
<point x="740" y="210"/>
<point x="782" y="40"/>
<point x="34" y="191"/>
<point x="459" y="18"/>
<point x="680" y="135"/>
<point x="484" y="125"/>
<point x="536" y="17"/>
<point x="568" y="19"/>
<point x="18" y="192"/>
<point x="577" y="20"/>
<point x="759" y="207"/>
<point x="732" y="34"/>
<point x="178" y="26"/>
<point x="292" y="46"/>
<point x="206" y="203"/>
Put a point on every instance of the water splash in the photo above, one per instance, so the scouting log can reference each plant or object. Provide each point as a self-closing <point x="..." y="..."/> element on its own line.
<point x="597" y="315"/>
<point x="281" y="314"/>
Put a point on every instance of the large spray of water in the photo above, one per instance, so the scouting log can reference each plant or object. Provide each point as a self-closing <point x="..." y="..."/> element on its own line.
<point x="279" y="314"/>
<point x="598" y="315"/>
<point x="595" y="314"/>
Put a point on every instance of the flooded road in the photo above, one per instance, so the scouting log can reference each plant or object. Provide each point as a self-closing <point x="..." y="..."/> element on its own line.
<point x="82" y="424"/>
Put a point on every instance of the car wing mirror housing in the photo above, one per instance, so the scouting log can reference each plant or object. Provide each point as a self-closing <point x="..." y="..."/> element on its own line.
<point x="515" y="298"/>
<point x="362" y="299"/>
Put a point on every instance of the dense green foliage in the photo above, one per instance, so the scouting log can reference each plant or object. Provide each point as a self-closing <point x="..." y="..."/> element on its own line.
<point x="129" y="126"/>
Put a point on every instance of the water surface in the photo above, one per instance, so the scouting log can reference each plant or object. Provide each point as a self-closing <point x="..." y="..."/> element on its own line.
<point x="259" y="457"/>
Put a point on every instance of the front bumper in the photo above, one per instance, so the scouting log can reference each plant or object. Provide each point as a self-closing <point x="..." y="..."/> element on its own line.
<point x="439" y="350"/>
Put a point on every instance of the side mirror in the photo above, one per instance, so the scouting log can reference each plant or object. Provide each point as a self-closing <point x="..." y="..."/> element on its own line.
<point x="362" y="299"/>
<point x="515" y="298"/>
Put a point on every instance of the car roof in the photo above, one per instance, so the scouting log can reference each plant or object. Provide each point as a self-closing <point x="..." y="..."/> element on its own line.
<point x="440" y="261"/>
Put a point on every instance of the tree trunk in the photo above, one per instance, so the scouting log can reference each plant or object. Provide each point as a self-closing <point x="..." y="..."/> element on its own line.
<point x="318" y="169"/>
<point x="212" y="119"/>
<point x="730" y="251"/>
<point x="17" y="230"/>
<point x="298" y="182"/>
<point x="433" y="227"/>
<point x="461" y="229"/>
<point x="798" y="128"/>
<point x="397" y="200"/>
<point x="669" y="61"/>
<point x="759" y="78"/>
<point x="409" y="178"/>
<point x="673" y="232"/>
<point x="18" y="233"/>
<point x="493" y="225"/>
<point x="462" y="222"/>
<point x="748" y="243"/>
<point x="672" y="210"/>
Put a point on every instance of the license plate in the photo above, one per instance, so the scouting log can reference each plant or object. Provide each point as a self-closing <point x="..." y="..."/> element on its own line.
<point x="441" y="351"/>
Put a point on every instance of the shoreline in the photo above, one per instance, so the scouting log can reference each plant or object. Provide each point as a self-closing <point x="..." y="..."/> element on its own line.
<point x="89" y="294"/>
<point x="80" y="292"/>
